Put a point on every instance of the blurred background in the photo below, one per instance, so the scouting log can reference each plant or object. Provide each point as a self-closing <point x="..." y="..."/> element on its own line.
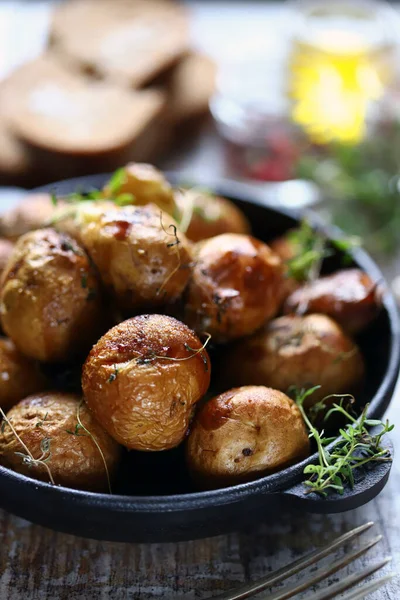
<point x="300" y="100"/>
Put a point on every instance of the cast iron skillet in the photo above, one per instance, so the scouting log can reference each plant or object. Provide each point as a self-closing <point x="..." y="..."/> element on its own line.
<point x="154" y="501"/>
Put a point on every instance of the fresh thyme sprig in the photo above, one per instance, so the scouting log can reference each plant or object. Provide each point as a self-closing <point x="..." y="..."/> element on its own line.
<point x="356" y="448"/>
<point x="77" y="432"/>
<point x="311" y="248"/>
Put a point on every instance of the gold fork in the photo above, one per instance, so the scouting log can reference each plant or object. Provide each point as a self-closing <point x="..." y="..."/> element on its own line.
<point x="251" y="589"/>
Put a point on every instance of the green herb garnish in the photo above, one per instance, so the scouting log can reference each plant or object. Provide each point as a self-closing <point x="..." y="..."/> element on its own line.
<point x="117" y="180"/>
<point x="362" y="184"/>
<point x="312" y="247"/>
<point x="356" y="448"/>
<point x="113" y="375"/>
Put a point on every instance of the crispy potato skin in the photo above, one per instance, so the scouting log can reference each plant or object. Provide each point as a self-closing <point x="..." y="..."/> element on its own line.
<point x="349" y="296"/>
<point x="50" y="303"/>
<point x="74" y="461"/>
<point x="301" y="351"/>
<point x="141" y="262"/>
<point x="6" y="248"/>
<point x="19" y="375"/>
<point x="211" y="215"/>
<point x="143" y="400"/>
<point x="148" y="186"/>
<point x="235" y="286"/>
<point x="243" y="434"/>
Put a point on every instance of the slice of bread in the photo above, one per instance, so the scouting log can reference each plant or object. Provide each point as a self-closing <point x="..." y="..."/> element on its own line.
<point x="190" y="87"/>
<point x="56" y="110"/>
<point x="129" y="42"/>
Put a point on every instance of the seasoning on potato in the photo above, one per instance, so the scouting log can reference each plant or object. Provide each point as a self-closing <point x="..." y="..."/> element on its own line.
<point x="243" y="434"/>
<point x="349" y="296"/>
<point x="143" y="260"/>
<point x="235" y="286"/>
<point x="61" y="443"/>
<point x="209" y="215"/>
<point x="145" y="184"/>
<point x="50" y="304"/>
<point x="19" y="375"/>
<point x="297" y="351"/>
<point x="143" y="378"/>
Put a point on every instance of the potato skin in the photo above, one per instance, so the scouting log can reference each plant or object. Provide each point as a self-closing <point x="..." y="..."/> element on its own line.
<point x="235" y="286"/>
<point x="244" y="434"/>
<point x="50" y="303"/>
<point x="148" y="186"/>
<point x="74" y="461"/>
<point x="349" y="296"/>
<point x="32" y="212"/>
<point x="211" y="215"/>
<point x="19" y="375"/>
<point x="301" y="351"/>
<point x="140" y="260"/>
<point x="6" y="248"/>
<point x="143" y="401"/>
<point x="284" y="247"/>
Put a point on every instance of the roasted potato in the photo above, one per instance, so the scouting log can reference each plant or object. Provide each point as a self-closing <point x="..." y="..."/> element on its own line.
<point x="209" y="215"/>
<point x="6" y="248"/>
<point x="142" y="380"/>
<point x="284" y="247"/>
<point x="302" y="351"/>
<point x="54" y="444"/>
<point x="286" y="250"/>
<point x="234" y="288"/>
<point x="349" y="296"/>
<point x="19" y="376"/>
<point x="144" y="261"/>
<point x="32" y="212"/>
<point x="146" y="184"/>
<point x="243" y="434"/>
<point x="50" y="304"/>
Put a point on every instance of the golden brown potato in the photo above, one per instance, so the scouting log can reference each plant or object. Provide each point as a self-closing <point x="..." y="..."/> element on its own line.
<point x="147" y="185"/>
<point x="142" y="379"/>
<point x="284" y="247"/>
<point x="301" y="351"/>
<point x="50" y="303"/>
<point x="235" y="286"/>
<point x="48" y="426"/>
<point x="244" y="434"/>
<point x="286" y="250"/>
<point x="349" y="296"/>
<point x="19" y="376"/>
<point x="32" y="212"/>
<point x="6" y="248"/>
<point x="209" y="215"/>
<point x="142" y="258"/>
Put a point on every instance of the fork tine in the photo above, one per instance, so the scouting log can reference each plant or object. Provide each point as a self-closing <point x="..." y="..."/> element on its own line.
<point x="350" y="581"/>
<point x="323" y="572"/>
<point x="368" y="588"/>
<point x="249" y="589"/>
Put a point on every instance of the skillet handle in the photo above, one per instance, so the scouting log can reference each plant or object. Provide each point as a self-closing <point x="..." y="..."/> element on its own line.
<point x="367" y="486"/>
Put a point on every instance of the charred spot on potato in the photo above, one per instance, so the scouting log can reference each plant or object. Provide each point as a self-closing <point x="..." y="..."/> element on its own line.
<point x="247" y="451"/>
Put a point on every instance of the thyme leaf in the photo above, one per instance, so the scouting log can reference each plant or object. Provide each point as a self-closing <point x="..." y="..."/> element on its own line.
<point x="356" y="448"/>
